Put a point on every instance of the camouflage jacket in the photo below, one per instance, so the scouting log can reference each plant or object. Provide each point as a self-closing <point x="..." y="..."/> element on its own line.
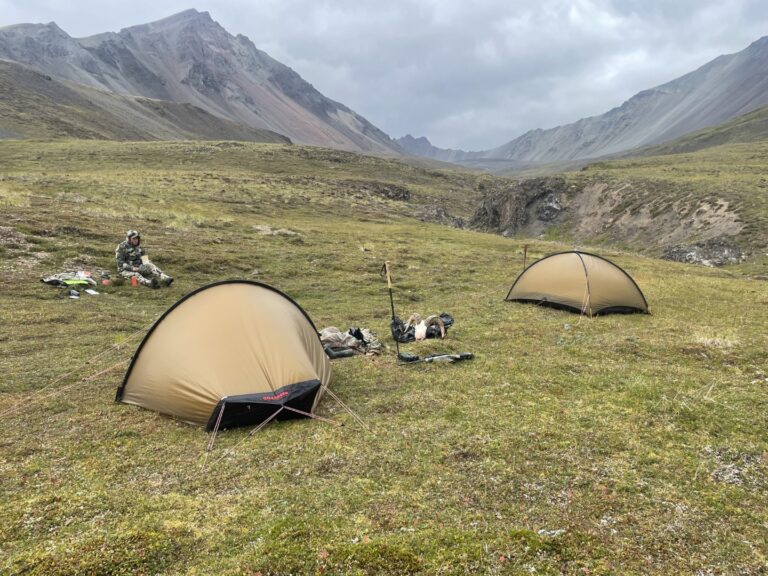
<point x="128" y="256"/>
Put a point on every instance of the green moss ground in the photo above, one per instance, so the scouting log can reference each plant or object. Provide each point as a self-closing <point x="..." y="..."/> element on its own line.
<point x="617" y="445"/>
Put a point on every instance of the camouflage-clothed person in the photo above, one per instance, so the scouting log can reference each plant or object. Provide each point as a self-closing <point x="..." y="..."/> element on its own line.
<point x="129" y="263"/>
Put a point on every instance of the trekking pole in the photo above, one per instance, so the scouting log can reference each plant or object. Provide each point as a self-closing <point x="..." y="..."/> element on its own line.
<point x="525" y="254"/>
<point x="389" y="285"/>
<point x="385" y="269"/>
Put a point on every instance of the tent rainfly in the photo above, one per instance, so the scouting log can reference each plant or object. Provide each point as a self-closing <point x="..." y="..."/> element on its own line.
<point x="233" y="353"/>
<point x="579" y="282"/>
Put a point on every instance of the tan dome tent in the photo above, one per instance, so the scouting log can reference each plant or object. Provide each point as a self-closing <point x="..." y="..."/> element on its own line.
<point x="229" y="354"/>
<point x="578" y="282"/>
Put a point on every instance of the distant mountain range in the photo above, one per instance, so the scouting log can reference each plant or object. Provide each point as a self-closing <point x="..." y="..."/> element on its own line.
<point x="726" y="87"/>
<point x="186" y="77"/>
<point x="189" y="58"/>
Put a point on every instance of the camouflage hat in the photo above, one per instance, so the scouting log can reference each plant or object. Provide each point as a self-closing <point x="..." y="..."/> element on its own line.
<point x="132" y="234"/>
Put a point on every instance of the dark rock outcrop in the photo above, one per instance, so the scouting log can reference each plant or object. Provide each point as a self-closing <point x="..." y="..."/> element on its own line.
<point x="528" y="205"/>
<point x="702" y="232"/>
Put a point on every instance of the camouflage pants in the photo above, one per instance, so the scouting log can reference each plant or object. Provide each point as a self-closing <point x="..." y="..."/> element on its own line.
<point x="146" y="274"/>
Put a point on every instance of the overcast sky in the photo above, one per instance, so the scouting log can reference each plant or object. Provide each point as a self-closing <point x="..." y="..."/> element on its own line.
<point x="466" y="74"/>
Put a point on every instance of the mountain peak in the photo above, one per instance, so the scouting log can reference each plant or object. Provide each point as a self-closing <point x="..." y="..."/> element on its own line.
<point x="186" y="15"/>
<point x="189" y="16"/>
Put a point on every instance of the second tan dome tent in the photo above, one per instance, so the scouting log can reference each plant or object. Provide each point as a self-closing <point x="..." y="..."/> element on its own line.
<point x="579" y="282"/>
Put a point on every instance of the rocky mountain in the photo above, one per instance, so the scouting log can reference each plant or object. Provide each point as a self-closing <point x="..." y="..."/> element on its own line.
<point x="36" y="105"/>
<point x="189" y="58"/>
<point x="726" y="87"/>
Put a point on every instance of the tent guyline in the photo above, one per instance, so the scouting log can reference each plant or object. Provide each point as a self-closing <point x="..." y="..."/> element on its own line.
<point x="39" y="394"/>
<point x="272" y="417"/>
<point x="215" y="431"/>
<point x="251" y="433"/>
<point x="330" y="393"/>
<point x="349" y="410"/>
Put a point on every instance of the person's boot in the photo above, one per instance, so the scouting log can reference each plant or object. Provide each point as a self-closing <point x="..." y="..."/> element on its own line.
<point x="155" y="283"/>
<point x="167" y="280"/>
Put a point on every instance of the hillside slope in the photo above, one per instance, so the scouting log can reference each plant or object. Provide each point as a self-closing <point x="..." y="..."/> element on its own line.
<point x="751" y="127"/>
<point x="35" y="105"/>
<point x="190" y="58"/>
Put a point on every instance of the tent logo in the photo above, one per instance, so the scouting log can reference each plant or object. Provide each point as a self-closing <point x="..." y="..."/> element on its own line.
<point x="279" y="396"/>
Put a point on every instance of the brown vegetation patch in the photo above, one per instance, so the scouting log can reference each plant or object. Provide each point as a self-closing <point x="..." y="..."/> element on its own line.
<point x="10" y="238"/>
<point x="361" y="188"/>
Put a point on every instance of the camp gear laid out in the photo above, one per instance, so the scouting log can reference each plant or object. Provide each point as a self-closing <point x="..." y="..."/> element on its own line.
<point x="79" y="278"/>
<point x="340" y="353"/>
<point x="449" y="357"/>
<point x="356" y="340"/>
<point x="578" y="282"/>
<point x="407" y="358"/>
<point x="406" y="332"/>
<point x="421" y="325"/>
<point x="72" y="283"/>
<point x="233" y="353"/>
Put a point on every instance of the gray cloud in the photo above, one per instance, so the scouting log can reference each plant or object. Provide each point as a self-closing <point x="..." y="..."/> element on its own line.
<point x="466" y="75"/>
